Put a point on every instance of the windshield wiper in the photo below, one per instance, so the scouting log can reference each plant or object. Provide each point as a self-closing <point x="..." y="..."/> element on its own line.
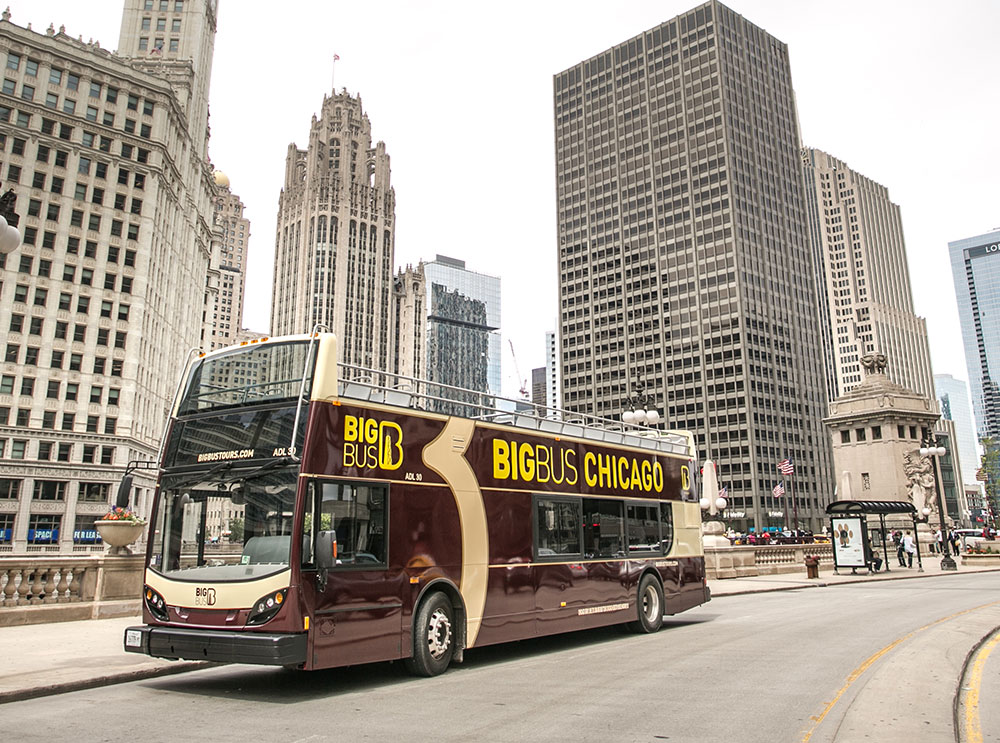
<point x="264" y="468"/>
<point x="202" y="476"/>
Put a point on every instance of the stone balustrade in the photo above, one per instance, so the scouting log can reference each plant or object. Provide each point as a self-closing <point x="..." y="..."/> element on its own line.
<point x="749" y="560"/>
<point x="54" y="589"/>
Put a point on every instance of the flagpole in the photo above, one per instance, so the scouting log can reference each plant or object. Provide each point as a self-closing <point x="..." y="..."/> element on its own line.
<point x="795" y="506"/>
<point x="784" y="503"/>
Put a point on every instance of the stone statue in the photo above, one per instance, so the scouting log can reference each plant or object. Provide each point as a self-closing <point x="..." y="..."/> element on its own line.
<point x="919" y="472"/>
<point x="874" y="363"/>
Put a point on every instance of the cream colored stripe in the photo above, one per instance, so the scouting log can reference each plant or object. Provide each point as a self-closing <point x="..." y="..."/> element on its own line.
<point x="446" y="456"/>
<point x="228" y="595"/>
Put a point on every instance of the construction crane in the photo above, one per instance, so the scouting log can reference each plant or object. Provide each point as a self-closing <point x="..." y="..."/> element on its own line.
<point x="523" y="381"/>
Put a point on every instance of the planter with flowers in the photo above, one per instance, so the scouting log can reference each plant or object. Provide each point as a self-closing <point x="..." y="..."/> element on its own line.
<point x="980" y="554"/>
<point x="119" y="528"/>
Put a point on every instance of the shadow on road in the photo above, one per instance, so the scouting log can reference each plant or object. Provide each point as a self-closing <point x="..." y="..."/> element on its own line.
<point x="281" y="686"/>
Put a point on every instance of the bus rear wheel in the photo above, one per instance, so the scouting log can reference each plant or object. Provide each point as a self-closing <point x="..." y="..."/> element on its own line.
<point x="649" y="606"/>
<point x="433" y="637"/>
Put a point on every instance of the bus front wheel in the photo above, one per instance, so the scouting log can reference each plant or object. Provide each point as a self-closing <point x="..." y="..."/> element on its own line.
<point x="433" y="637"/>
<point x="649" y="606"/>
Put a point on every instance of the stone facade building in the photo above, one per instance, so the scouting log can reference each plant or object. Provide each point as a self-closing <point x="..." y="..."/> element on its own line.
<point x="334" y="247"/>
<point x="410" y="309"/>
<point x="683" y="249"/>
<point x="877" y="429"/>
<point x="864" y="278"/>
<point x="106" y="153"/>
<point x="224" y="307"/>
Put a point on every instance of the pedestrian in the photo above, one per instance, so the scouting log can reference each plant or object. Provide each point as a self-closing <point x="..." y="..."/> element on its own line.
<point x="939" y="540"/>
<point x="909" y="548"/>
<point x="897" y="539"/>
<point x="954" y="543"/>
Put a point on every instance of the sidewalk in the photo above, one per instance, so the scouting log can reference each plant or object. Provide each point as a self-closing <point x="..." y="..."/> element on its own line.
<point x="42" y="659"/>
<point x="793" y="581"/>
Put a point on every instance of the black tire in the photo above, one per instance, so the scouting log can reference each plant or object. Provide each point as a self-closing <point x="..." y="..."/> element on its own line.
<point x="433" y="636"/>
<point x="649" y="606"/>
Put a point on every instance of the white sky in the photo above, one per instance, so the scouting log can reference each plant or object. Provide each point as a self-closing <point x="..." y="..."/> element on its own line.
<point x="904" y="92"/>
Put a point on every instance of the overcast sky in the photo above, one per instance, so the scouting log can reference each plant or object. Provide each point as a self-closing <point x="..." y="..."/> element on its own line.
<point x="905" y="93"/>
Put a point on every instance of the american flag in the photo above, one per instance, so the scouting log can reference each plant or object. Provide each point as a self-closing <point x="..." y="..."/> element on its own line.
<point x="779" y="490"/>
<point x="722" y="493"/>
<point x="786" y="466"/>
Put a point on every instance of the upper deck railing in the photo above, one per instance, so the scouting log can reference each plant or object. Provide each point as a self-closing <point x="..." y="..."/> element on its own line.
<point x="371" y="385"/>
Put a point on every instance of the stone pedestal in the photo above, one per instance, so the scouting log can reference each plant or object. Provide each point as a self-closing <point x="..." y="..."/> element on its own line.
<point x="718" y="550"/>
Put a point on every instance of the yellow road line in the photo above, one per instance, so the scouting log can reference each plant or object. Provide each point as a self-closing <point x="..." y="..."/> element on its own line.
<point x="973" y="729"/>
<point x="856" y="673"/>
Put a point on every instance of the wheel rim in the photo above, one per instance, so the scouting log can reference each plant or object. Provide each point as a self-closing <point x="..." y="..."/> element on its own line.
<point x="651" y="603"/>
<point x="439" y="634"/>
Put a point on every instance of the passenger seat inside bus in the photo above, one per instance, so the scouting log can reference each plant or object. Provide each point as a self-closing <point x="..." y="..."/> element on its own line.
<point x="265" y="550"/>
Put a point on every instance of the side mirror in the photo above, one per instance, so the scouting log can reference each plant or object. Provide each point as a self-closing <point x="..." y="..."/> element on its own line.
<point x="124" y="492"/>
<point x="326" y="549"/>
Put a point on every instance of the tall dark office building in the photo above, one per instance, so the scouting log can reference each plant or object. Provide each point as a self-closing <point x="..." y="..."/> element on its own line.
<point x="684" y="259"/>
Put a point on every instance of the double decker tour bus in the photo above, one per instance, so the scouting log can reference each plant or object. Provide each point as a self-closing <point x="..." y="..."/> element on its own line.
<point x="311" y="514"/>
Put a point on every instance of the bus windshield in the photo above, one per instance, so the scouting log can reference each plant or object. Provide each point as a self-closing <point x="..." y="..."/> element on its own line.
<point x="222" y="525"/>
<point x="247" y="375"/>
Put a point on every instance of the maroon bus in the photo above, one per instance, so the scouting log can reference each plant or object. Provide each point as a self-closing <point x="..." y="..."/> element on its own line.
<point x="310" y="514"/>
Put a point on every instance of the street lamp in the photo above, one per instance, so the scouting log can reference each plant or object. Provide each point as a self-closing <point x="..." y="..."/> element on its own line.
<point x="639" y="409"/>
<point x="929" y="448"/>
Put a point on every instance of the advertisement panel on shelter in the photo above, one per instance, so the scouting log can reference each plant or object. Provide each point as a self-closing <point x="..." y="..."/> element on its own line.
<point x="848" y="542"/>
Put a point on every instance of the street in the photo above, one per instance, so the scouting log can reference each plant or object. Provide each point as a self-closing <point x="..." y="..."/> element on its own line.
<point x="832" y="664"/>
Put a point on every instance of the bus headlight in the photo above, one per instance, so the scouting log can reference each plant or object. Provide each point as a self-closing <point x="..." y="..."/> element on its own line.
<point x="265" y="608"/>
<point x="155" y="603"/>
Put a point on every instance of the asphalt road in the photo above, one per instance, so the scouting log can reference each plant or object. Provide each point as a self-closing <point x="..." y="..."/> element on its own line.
<point x="787" y="666"/>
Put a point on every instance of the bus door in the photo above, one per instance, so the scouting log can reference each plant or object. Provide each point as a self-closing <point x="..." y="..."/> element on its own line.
<point x="357" y="604"/>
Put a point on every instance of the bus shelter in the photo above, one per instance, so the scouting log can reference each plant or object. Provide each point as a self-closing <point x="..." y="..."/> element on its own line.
<point x="859" y="531"/>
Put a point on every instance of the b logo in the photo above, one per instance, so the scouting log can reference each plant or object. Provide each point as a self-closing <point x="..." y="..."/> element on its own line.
<point x="204" y="596"/>
<point x="371" y="444"/>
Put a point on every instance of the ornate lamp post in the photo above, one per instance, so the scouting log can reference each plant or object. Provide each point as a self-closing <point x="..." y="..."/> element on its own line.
<point x="639" y="408"/>
<point x="10" y="236"/>
<point x="929" y="448"/>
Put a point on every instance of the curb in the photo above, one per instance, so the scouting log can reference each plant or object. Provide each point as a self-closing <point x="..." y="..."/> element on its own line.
<point x="98" y="681"/>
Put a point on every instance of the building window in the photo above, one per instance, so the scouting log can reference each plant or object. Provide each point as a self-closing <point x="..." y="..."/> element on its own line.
<point x="44" y="528"/>
<point x="49" y="490"/>
<point x="860" y="434"/>
<point x="876" y="433"/>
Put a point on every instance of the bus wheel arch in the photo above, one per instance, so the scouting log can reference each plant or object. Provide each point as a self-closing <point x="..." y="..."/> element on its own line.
<point x="650" y="604"/>
<point x="439" y="609"/>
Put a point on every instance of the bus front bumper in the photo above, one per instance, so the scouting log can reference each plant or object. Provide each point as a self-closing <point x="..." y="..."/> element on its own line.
<point x="177" y="643"/>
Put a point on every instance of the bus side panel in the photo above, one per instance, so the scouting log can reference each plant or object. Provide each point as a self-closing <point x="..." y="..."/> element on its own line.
<point x="581" y="595"/>
<point x="510" y="598"/>
<point x="423" y="541"/>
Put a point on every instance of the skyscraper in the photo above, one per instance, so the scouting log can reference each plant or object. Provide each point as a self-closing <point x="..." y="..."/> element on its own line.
<point x="684" y="257"/>
<point x="975" y="268"/>
<point x="107" y="156"/>
<point x="953" y="396"/>
<point x="334" y="247"/>
<point x="475" y="317"/>
<point x="857" y="236"/>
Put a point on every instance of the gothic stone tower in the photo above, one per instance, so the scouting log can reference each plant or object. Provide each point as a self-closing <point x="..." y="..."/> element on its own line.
<point x="335" y="236"/>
